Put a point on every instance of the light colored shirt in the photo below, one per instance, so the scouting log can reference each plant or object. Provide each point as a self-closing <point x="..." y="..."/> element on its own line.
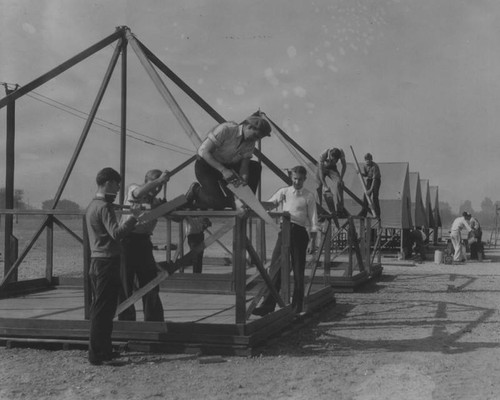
<point x="230" y="148"/>
<point x="141" y="227"/>
<point x="459" y="224"/>
<point x="301" y="205"/>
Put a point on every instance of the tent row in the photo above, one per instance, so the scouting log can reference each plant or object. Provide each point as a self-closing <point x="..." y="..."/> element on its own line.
<point x="406" y="200"/>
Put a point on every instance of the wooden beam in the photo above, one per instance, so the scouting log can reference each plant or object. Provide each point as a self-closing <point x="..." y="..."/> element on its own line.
<point x="23" y="254"/>
<point x="62" y="67"/>
<point x="239" y="268"/>
<point x="68" y="230"/>
<point x="164" y="92"/>
<point x="123" y="123"/>
<point x="88" y="124"/>
<point x="263" y="273"/>
<point x="164" y="274"/>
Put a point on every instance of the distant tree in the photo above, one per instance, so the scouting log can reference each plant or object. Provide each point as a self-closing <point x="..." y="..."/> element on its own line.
<point x="447" y="215"/>
<point x="487" y="206"/>
<point x="63" y="204"/>
<point x="18" y="199"/>
<point x="466" y="206"/>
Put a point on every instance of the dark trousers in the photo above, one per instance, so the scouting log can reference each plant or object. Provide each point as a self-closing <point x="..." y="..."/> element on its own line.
<point x="104" y="277"/>
<point x="138" y="262"/>
<point x="211" y="195"/>
<point x="194" y="239"/>
<point x="375" y="201"/>
<point x="299" y="239"/>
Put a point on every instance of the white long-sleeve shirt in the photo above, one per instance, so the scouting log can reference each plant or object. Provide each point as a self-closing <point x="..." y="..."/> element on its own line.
<point x="459" y="224"/>
<point x="301" y="205"/>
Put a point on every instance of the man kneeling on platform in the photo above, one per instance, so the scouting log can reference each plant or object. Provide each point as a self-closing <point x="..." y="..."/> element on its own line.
<point x="301" y="204"/>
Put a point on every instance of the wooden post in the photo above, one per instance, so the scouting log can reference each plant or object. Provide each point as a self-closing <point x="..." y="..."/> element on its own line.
<point x="9" y="184"/>
<point x="239" y="267"/>
<point x="88" y="124"/>
<point x="327" y="251"/>
<point x="285" y="258"/>
<point x="351" y="244"/>
<point x="168" y="246"/>
<point x="123" y="125"/>
<point x="49" y="249"/>
<point x="368" y="244"/>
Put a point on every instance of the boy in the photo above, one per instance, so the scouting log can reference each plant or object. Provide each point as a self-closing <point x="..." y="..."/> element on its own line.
<point x="104" y="234"/>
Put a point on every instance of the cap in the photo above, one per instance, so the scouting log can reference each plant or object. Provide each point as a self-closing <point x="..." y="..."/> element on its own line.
<point x="260" y="124"/>
<point x="368" y="156"/>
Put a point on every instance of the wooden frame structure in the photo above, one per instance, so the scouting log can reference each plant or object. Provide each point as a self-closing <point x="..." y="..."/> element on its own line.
<point x="239" y="336"/>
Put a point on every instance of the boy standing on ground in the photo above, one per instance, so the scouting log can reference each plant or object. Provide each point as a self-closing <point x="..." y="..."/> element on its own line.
<point x="455" y="235"/>
<point x="104" y="234"/>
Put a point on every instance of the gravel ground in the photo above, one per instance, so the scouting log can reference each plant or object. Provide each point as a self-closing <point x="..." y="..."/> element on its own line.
<point x="420" y="332"/>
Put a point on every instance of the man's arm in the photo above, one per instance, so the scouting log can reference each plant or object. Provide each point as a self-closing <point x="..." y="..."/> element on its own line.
<point x="144" y="189"/>
<point x="343" y="165"/>
<point x="312" y="213"/>
<point x="244" y="169"/>
<point x="115" y="230"/>
<point x="205" y="151"/>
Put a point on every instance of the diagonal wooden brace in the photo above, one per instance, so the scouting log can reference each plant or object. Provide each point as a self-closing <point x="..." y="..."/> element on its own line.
<point x="165" y="274"/>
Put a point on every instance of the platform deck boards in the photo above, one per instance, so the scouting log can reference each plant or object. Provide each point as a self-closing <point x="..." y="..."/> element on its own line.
<point x="200" y="322"/>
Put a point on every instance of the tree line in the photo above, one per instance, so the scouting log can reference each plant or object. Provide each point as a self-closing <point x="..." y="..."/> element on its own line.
<point x="19" y="203"/>
<point x="487" y="216"/>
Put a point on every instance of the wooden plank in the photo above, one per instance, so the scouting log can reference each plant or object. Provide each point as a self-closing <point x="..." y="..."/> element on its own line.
<point x="263" y="273"/>
<point x="245" y="194"/>
<point x="25" y="287"/>
<point x="163" y="209"/>
<point x="164" y="92"/>
<point x="239" y="268"/>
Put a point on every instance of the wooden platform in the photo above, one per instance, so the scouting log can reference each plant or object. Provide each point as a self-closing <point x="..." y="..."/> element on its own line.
<point x="196" y="322"/>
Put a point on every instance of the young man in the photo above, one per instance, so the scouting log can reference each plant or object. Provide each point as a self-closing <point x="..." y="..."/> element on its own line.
<point x="301" y="204"/>
<point x="195" y="228"/>
<point x="371" y="171"/>
<point x="104" y="274"/>
<point x="227" y="150"/>
<point x="138" y="261"/>
<point x="327" y="167"/>
<point x="455" y="235"/>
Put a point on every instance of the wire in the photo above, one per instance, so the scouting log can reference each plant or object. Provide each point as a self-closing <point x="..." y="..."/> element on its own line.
<point x="160" y="143"/>
<point x="113" y="127"/>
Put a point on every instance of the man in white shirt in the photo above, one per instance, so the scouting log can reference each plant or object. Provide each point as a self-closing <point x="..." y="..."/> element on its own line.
<point x="455" y="235"/>
<point x="301" y="204"/>
<point x="137" y="247"/>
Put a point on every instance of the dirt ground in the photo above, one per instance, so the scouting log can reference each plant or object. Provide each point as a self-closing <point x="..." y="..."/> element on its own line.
<point x="419" y="332"/>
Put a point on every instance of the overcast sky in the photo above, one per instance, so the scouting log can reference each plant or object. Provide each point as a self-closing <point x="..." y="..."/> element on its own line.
<point x="407" y="80"/>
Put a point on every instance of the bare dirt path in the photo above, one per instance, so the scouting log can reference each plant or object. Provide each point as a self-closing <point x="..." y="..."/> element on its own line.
<point x="422" y="332"/>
